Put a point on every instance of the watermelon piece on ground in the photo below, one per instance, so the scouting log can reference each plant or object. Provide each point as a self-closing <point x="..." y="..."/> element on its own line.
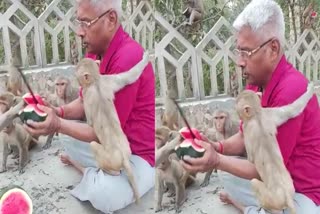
<point x="14" y="200"/>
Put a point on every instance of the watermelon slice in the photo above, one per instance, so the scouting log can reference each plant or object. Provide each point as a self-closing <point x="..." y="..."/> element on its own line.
<point x="31" y="111"/>
<point x="29" y="99"/>
<point x="14" y="200"/>
<point x="188" y="146"/>
<point x="185" y="133"/>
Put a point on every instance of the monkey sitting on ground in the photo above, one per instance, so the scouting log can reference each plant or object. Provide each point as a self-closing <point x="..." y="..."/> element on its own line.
<point x="113" y="152"/>
<point x="275" y="190"/>
<point x="194" y="11"/>
<point x="63" y="94"/>
<point x="14" y="135"/>
<point x="224" y="128"/>
<point x="170" y="172"/>
<point x="164" y="135"/>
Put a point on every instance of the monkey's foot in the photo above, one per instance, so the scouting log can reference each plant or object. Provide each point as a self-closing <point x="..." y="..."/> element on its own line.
<point x="171" y="194"/>
<point x="16" y="156"/>
<point x="225" y="198"/>
<point x="21" y="170"/>
<point x="3" y="170"/>
<point x="205" y="183"/>
<point x="46" y="146"/>
<point x="158" y="208"/>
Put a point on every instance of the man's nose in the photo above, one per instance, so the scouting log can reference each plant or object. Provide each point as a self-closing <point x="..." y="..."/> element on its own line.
<point x="241" y="62"/>
<point x="80" y="32"/>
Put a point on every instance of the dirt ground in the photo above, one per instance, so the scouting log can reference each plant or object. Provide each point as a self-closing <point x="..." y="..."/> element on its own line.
<point x="48" y="182"/>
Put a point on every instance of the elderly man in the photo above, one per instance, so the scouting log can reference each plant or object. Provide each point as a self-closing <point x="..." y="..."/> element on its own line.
<point x="260" y="51"/>
<point x="105" y="40"/>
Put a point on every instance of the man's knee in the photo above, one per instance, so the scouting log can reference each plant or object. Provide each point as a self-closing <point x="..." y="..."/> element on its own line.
<point x="304" y="204"/>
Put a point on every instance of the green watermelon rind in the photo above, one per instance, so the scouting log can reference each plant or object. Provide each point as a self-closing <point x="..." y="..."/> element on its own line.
<point x="6" y="189"/>
<point x="5" y="193"/>
<point x="187" y="149"/>
<point x="29" y="113"/>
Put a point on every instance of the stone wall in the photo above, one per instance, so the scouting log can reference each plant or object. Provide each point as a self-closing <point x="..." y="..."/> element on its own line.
<point x="42" y="80"/>
<point x="199" y="114"/>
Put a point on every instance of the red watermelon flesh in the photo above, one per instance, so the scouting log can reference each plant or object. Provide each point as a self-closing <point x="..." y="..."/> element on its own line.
<point x="29" y="99"/>
<point x="185" y="133"/>
<point x="16" y="203"/>
<point x="193" y="143"/>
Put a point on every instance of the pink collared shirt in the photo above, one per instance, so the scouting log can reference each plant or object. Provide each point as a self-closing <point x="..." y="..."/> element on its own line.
<point x="135" y="104"/>
<point x="298" y="138"/>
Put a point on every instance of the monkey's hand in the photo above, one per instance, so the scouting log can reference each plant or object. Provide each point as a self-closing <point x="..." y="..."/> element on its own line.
<point x="209" y="161"/>
<point x="48" y="104"/>
<point x="216" y="145"/>
<point x="51" y="125"/>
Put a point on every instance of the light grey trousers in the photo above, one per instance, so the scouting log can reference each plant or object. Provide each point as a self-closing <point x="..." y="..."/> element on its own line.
<point x="106" y="193"/>
<point x="240" y="190"/>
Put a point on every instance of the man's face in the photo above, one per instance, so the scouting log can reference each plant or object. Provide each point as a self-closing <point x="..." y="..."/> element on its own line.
<point x="257" y="67"/>
<point x="97" y="36"/>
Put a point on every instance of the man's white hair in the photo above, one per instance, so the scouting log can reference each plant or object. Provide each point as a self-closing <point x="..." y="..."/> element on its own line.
<point x="104" y="5"/>
<point x="264" y="17"/>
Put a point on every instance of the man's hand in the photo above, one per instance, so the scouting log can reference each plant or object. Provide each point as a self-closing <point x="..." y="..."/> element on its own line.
<point x="209" y="161"/>
<point x="49" y="126"/>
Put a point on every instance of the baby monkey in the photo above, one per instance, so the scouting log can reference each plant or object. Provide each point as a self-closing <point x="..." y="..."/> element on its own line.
<point x="14" y="135"/>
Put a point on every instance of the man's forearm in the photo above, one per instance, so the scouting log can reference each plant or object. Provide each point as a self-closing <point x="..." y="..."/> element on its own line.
<point x="74" y="110"/>
<point x="80" y="131"/>
<point x="239" y="167"/>
<point x="234" y="145"/>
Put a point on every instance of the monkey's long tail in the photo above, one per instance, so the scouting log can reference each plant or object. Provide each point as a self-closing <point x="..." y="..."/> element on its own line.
<point x="132" y="182"/>
<point x="290" y="203"/>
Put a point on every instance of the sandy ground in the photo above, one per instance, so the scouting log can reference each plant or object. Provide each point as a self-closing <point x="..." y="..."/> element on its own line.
<point x="202" y="200"/>
<point x="48" y="182"/>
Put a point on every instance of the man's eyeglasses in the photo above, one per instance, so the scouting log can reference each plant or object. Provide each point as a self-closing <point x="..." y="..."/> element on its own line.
<point x="87" y="24"/>
<point x="246" y="54"/>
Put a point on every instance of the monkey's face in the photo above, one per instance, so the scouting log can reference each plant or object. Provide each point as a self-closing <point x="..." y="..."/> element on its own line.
<point x="3" y="107"/>
<point x="219" y="121"/>
<point x="163" y="165"/>
<point x="61" y="87"/>
<point x="6" y="101"/>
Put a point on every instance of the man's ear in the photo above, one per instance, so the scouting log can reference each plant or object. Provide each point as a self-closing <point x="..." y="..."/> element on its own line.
<point x="275" y="48"/>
